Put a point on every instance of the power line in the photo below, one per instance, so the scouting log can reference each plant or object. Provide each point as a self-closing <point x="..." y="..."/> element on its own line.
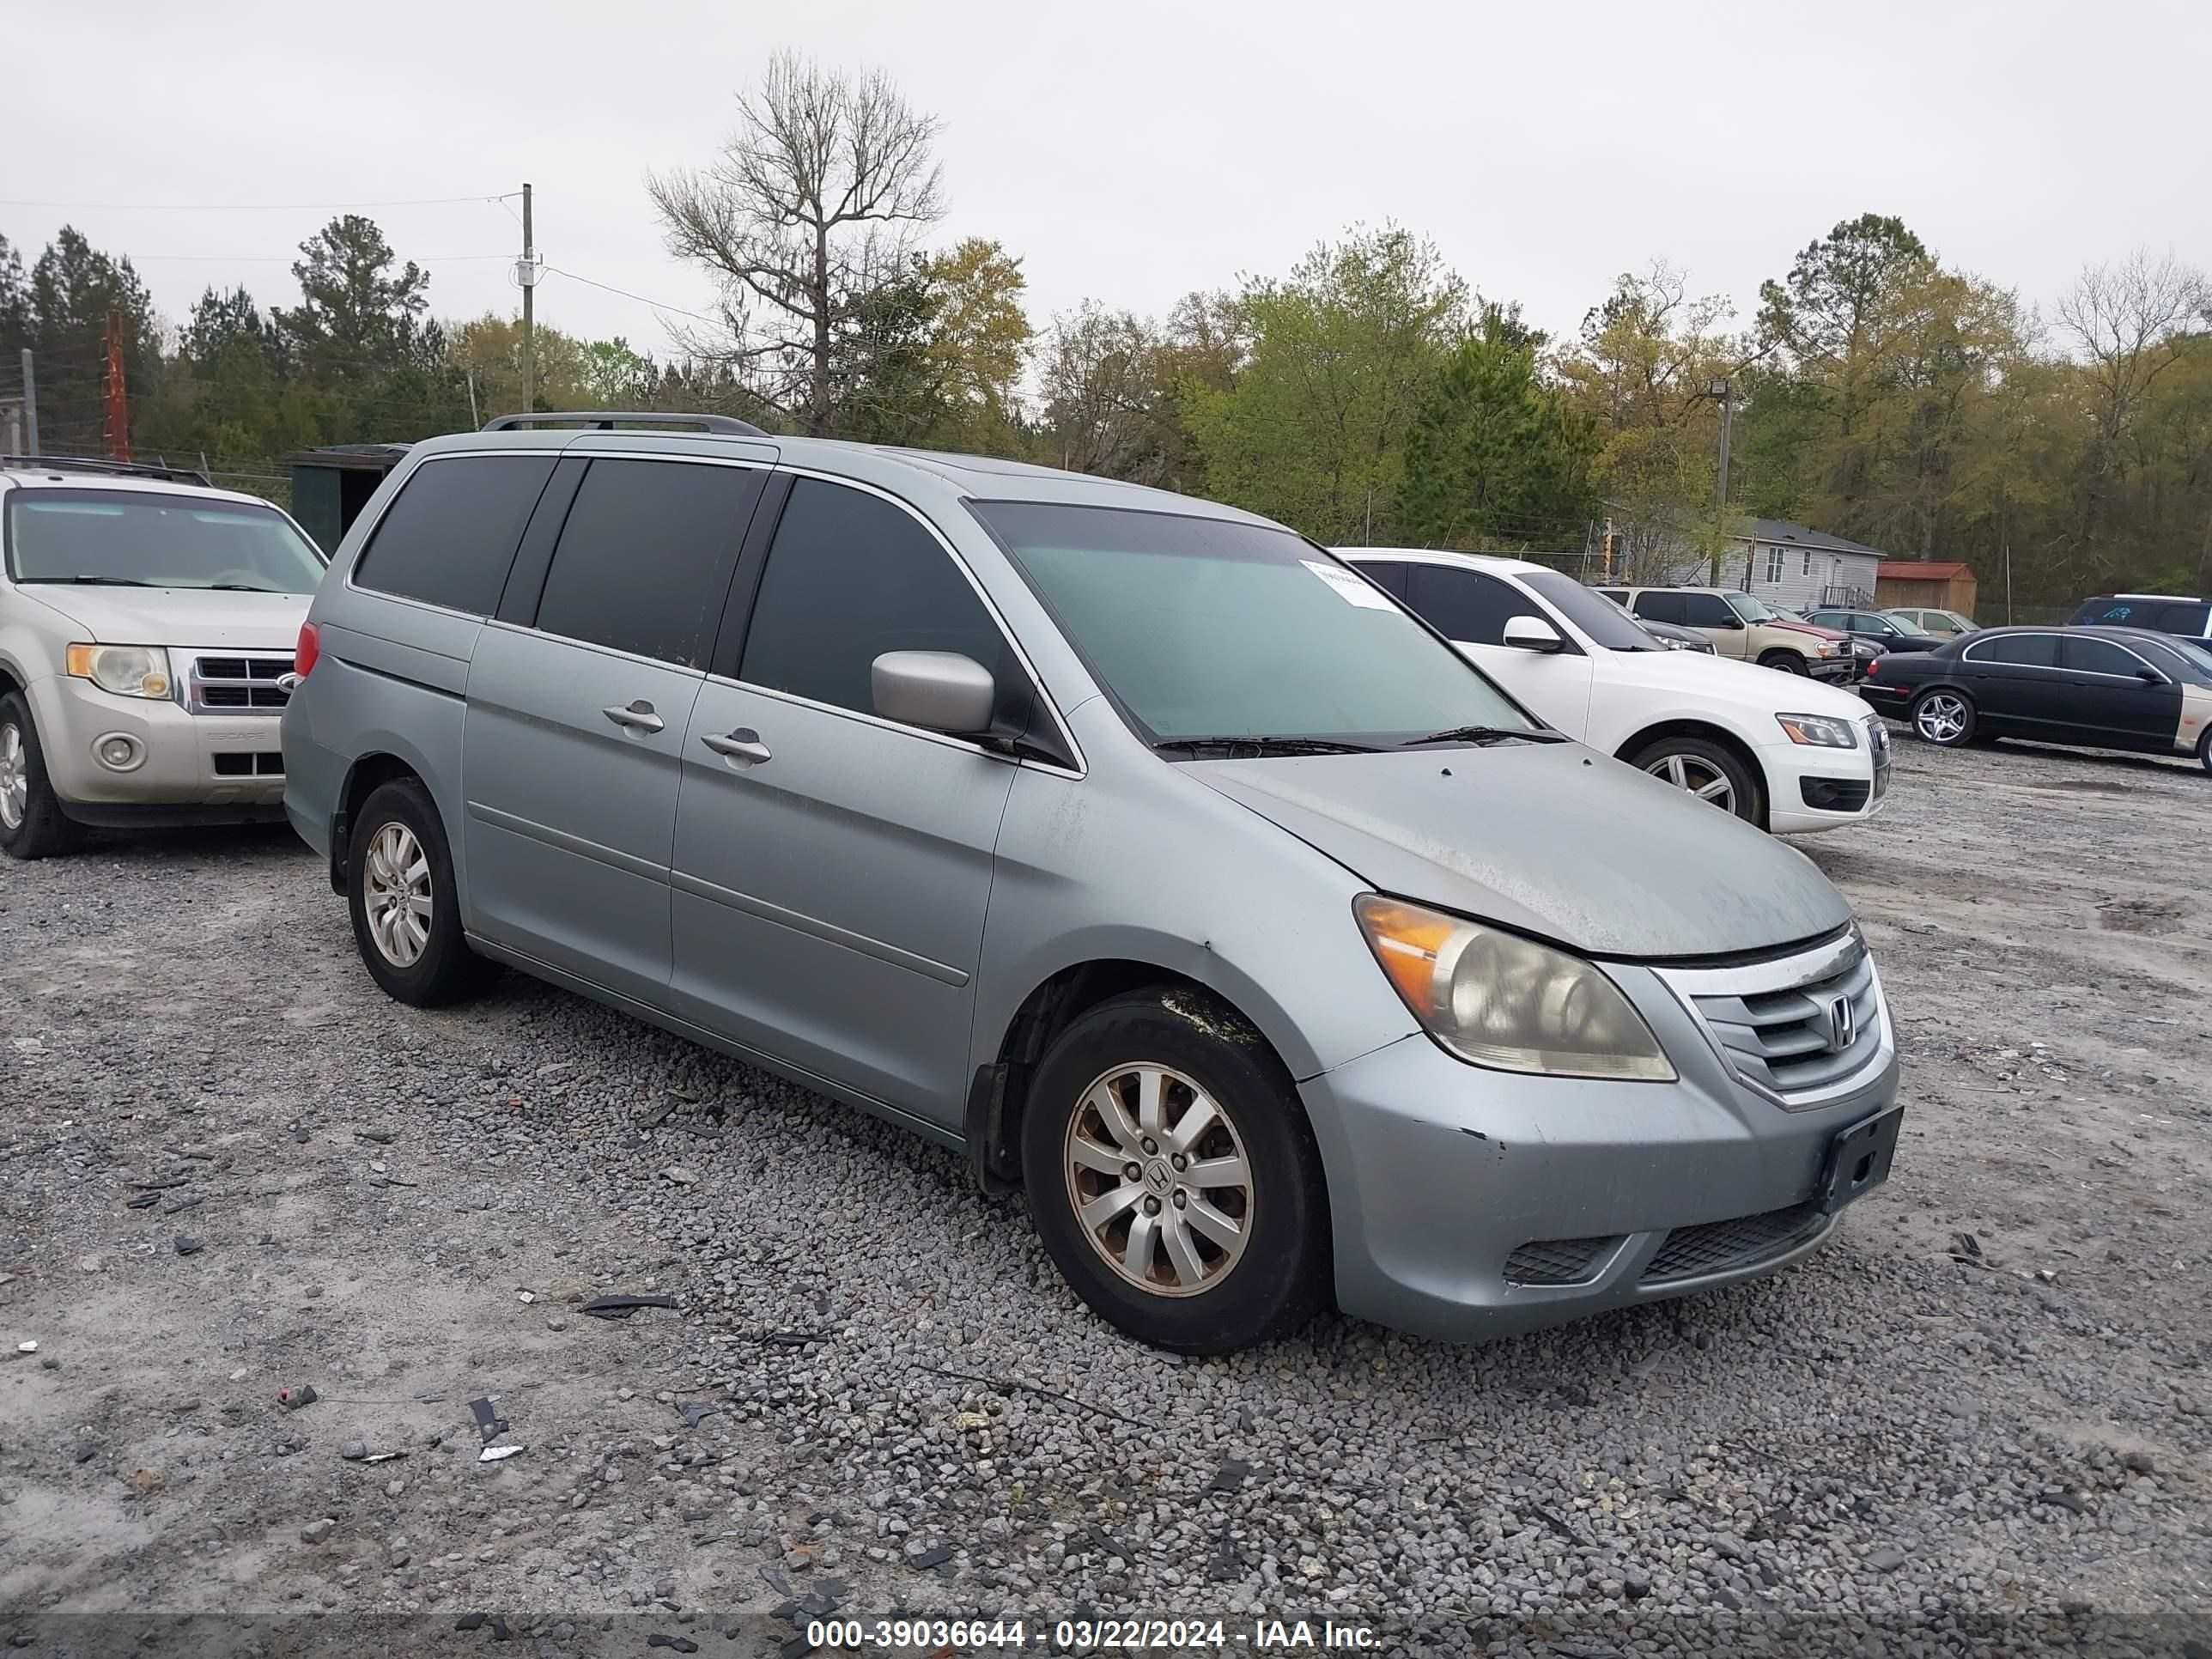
<point x="251" y="207"/>
<point x="291" y="258"/>
<point x="611" y="289"/>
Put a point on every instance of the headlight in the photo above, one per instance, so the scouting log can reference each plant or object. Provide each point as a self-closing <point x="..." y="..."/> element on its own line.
<point x="1497" y="1000"/>
<point x="1819" y="731"/>
<point x="1829" y="648"/>
<point x="128" y="670"/>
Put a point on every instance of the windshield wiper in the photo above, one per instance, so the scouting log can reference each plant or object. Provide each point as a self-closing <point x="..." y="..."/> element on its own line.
<point x="1264" y="745"/>
<point x="93" y="581"/>
<point x="239" y="588"/>
<point x="1487" y="734"/>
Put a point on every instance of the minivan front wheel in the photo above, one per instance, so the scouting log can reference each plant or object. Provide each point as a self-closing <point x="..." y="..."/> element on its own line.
<point x="1172" y="1177"/>
<point x="399" y="886"/>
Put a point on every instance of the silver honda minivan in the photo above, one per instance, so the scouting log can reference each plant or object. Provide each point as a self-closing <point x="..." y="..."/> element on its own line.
<point x="1131" y="844"/>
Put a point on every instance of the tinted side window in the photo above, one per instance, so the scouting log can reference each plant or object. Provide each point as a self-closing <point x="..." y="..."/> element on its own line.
<point x="2188" y="619"/>
<point x="849" y="577"/>
<point x="2028" y="650"/>
<point x="2100" y="657"/>
<point x="449" y="536"/>
<point x="1704" y="610"/>
<point x="1462" y="606"/>
<point x="1661" y="607"/>
<point x="1617" y="595"/>
<point x="644" y="563"/>
<point x="2119" y="613"/>
<point x="1386" y="573"/>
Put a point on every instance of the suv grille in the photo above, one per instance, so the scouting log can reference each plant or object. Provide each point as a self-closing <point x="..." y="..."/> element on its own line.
<point x="1800" y="1029"/>
<point x="238" y="685"/>
<point x="1717" y="1246"/>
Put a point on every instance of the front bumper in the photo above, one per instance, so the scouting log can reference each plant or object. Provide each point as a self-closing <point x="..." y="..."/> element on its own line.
<point x="1809" y="789"/>
<point x="1441" y="1172"/>
<point x="187" y="767"/>
<point x="1836" y="671"/>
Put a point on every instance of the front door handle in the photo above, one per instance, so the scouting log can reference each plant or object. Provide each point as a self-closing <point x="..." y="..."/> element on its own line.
<point x="637" y="717"/>
<point x="742" y="745"/>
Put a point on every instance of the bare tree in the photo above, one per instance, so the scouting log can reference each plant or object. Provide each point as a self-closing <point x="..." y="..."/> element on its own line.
<point x="812" y="207"/>
<point x="2131" y="320"/>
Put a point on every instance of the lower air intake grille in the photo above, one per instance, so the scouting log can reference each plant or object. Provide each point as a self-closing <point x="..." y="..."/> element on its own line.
<point x="1557" y="1260"/>
<point x="1719" y="1247"/>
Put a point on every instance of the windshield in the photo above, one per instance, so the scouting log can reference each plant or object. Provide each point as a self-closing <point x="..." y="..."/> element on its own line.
<point x="1749" y="609"/>
<point x="2197" y="656"/>
<point x="1606" y="623"/>
<point x="1204" y="628"/>
<point x="135" y="539"/>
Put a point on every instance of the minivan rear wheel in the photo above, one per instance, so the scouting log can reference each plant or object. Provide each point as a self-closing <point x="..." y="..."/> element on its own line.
<point x="1172" y="1177"/>
<point x="399" y="886"/>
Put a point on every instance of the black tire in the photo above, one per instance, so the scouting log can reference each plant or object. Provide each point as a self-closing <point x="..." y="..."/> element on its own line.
<point x="2205" y="749"/>
<point x="1788" y="662"/>
<point x="1747" y="791"/>
<point x="1278" y="1278"/>
<point x="1945" y="716"/>
<point x="42" y="829"/>
<point x="442" y="969"/>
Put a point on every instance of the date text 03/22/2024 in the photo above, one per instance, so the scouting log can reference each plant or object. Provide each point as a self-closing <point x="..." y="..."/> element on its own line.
<point x="1091" y="1635"/>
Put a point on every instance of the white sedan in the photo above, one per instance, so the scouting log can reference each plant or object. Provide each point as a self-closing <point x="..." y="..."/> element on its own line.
<point x="1785" y="752"/>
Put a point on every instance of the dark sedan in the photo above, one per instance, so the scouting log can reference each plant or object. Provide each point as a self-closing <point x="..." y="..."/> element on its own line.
<point x="1890" y="633"/>
<point x="2095" y="687"/>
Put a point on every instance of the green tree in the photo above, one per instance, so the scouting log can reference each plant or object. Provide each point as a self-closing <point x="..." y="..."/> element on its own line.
<point x="1337" y="358"/>
<point x="1496" y="457"/>
<point x="360" y="312"/>
<point x="980" y="342"/>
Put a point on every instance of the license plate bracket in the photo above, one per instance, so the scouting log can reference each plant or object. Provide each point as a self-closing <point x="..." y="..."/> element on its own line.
<point x="1859" y="1159"/>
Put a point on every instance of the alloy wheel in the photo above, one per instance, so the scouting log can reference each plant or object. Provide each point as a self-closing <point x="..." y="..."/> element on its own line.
<point x="15" y="777"/>
<point x="1158" y="1179"/>
<point x="1941" y="717"/>
<point x="396" y="894"/>
<point x="1699" y="776"/>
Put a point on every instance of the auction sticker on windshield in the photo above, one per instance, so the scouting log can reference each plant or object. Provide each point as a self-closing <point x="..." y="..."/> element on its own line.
<point x="1354" y="590"/>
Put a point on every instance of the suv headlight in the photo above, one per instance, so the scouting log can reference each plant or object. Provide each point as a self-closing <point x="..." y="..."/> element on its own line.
<point x="128" y="670"/>
<point x="1497" y="1000"/>
<point x="1821" y="731"/>
<point x="1829" y="648"/>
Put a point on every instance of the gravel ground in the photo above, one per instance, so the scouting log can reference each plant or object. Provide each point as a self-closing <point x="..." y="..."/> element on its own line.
<point x="1980" y="1421"/>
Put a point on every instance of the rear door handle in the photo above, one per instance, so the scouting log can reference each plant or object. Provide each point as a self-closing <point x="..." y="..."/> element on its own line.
<point x="742" y="745"/>
<point x="637" y="717"/>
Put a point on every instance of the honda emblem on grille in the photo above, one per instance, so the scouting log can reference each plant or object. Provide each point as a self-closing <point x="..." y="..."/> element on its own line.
<point x="1842" y="1025"/>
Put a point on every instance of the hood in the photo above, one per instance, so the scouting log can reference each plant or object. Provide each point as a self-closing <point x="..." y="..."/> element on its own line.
<point x="1694" y="676"/>
<point x="189" y="616"/>
<point x="1813" y="629"/>
<point x="1548" y="839"/>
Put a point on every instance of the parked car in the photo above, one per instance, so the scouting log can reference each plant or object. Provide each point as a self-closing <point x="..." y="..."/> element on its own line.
<point x="1674" y="638"/>
<point x="1936" y="623"/>
<point x="2097" y="688"/>
<point x="145" y="632"/>
<point x="1788" y="756"/>
<point x="2165" y="613"/>
<point x="1875" y="626"/>
<point x="1744" y="628"/>
<point x="1132" y="844"/>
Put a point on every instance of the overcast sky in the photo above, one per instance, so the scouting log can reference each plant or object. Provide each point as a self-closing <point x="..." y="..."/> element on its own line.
<point x="1134" y="151"/>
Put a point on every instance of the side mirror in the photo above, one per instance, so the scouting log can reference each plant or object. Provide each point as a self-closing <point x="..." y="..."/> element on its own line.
<point x="936" y="690"/>
<point x="1532" y="634"/>
<point x="1732" y="624"/>
<point x="2150" y="677"/>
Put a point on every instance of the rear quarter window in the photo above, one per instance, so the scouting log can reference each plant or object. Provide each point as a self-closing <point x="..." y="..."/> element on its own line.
<point x="449" y="536"/>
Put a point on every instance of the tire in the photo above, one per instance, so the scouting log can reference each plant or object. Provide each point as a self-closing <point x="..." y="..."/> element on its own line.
<point x="1709" y="771"/>
<point x="1788" y="662"/>
<point x="2205" y="749"/>
<point x="32" y="823"/>
<point x="399" y="868"/>
<point x="1198" y="1291"/>
<point x="1943" y="716"/>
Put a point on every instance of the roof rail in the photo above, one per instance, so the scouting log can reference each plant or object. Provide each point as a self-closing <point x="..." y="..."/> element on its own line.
<point x="97" y="464"/>
<point x="605" y="420"/>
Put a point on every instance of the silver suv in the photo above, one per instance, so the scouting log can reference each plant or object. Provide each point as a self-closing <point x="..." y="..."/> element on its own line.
<point x="145" y="632"/>
<point x="1133" y="845"/>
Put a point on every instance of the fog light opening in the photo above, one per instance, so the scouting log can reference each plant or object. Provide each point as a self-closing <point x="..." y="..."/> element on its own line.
<point x="118" y="751"/>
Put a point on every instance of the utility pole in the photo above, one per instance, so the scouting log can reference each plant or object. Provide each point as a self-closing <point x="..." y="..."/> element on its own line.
<point x="528" y="273"/>
<point x="1726" y="392"/>
<point x="117" y="423"/>
<point x="30" y="406"/>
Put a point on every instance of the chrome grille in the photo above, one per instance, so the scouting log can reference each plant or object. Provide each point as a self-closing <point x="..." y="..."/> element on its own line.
<point x="238" y="685"/>
<point x="1802" y="1031"/>
<point x="1558" y="1261"/>
<point x="1719" y="1247"/>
